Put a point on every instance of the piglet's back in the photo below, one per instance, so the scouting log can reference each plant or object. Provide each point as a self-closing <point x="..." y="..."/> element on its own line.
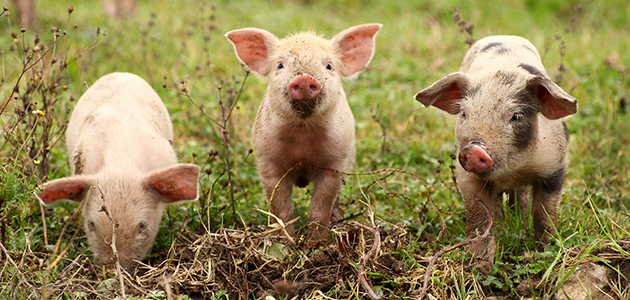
<point x="502" y="52"/>
<point x="126" y="94"/>
<point x="120" y="116"/>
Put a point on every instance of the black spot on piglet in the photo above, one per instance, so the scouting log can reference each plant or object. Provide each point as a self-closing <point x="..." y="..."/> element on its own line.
<point x="553" y="183"/>
<point x="566" y="131"/>
<point x="498" y="48"/>
<point x="531" y="69"/>
<point x="490" y="46"/>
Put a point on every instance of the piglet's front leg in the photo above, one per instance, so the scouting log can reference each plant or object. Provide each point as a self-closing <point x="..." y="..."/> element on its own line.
<point x="280" y="203"/>
<point x="480" y="198"/>
<point x="476" y="224"/>
<point x="326" y="188"/>
<point x="547" y="193"/>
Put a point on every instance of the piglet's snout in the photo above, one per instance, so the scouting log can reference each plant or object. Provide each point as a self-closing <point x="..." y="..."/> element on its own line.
<point x="474" y="158"/>
<point x="305" y="88"/>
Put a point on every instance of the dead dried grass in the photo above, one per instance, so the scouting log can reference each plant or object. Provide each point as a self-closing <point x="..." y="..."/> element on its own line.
<point x="243" y="262"/>
<point x="253" y="264"/>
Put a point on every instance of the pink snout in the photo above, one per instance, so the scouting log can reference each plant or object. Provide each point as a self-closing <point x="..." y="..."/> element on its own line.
<point x="474" y="158"/>
<point x="304" y="87"/>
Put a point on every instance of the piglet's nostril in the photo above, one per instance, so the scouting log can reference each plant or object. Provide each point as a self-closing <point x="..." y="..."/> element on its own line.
<point x="463" y="160"/>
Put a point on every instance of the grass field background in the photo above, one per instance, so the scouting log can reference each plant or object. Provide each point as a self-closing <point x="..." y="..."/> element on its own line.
<point x="180" y="50"/>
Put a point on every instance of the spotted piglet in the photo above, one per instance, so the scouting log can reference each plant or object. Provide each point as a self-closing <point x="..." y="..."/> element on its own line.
<point x="119" y="140"/>
<point x="510" y="135"/>
<point x="304" y="127"/>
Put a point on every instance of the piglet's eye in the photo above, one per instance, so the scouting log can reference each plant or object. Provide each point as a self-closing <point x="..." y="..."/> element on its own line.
<point x="329" y="67"/>
<point x="143" y="225"/>
<point x="90" y="225"/>
<point x="516" y="117"/>
<point x="464" y="115"/>
<point x="280" y="66"/>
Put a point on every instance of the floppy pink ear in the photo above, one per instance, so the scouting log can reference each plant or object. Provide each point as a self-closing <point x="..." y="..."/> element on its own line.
<point x="252" y="46"/>
<point x="176" y="183"/>
<point x="445" y="93"/>
<point x="357" y="47"/>
<point x="71" y="188"/>
<point x="556" y="103"/>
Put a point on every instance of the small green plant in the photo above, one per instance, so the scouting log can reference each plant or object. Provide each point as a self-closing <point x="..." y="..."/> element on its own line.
<point x="15" y="193"/>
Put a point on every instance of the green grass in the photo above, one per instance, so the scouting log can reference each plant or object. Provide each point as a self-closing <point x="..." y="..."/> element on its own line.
<point x="167" y="43"/>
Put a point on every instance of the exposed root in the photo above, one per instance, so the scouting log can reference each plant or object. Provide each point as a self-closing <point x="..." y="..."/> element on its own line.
<point x="451" y="248"/>
<point x="374" y="249"/>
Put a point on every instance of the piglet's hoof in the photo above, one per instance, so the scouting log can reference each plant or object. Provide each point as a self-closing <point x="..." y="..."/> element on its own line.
<point x="317" y="236"/>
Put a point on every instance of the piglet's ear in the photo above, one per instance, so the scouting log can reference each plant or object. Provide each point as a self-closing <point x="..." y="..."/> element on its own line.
<point x="357" y="47"/>
<point x="252" y="46"/>
<point x="71" y="188"/>
<point x="176" y="183"/>
<point x="556" y="103"/>
<point x="446" y="93"/>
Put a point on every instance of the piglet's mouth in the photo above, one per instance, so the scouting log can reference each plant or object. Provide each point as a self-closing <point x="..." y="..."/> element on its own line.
<point x="305" y="108"/>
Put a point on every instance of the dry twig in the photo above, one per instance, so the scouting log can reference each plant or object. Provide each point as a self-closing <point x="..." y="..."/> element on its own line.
<point x="72" y="219"/>
<point x="373" y="250"/>
<point x="224" y="125"/>
<point x="167" y="281"/>
<point x="281" y="223"/>
<point x="24" y="279"/>
<point x="451" y="248"/>
<point x="371" y="173"/>
<point x="58" y="284"/>
<point x="64" y="251"/>
<point x="113" y="245"/>
<point x="44" y="225"/>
